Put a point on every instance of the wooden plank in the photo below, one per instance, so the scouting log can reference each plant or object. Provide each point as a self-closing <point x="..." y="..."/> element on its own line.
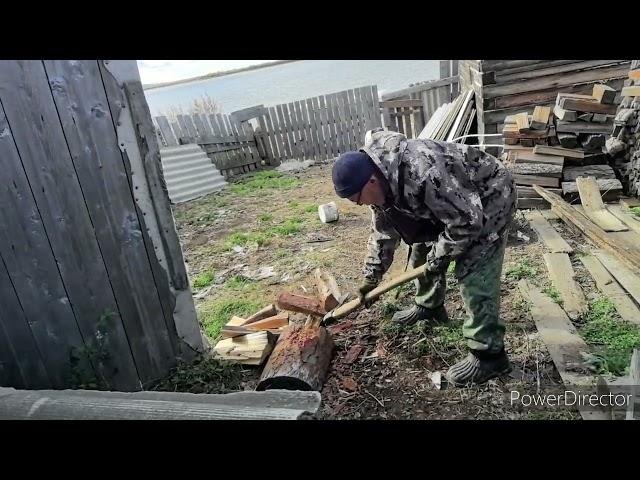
<point x="359" y="104"/>
<point x="563" y="278"/>
<point x="352" y="120"/>
<point x="167" y="133"/>
<point x="344" y="122"/>
<point x="295" y="131"/>
<point x="22" y="363"/>
<point x="220" y="158"/>
<point x="266" y="137"/>
<point x="307" y="130"/>
<point x="237" y="156"/>
<point x="529" y="192"/>
<point x="190" y="126"/>
<point x="365" y="94"/>
<point x="288" y="154"/>
<point x="322" y="149"/>
<point x="611" y="289"/>
<point x="623" y="248"/>
<point x="35" y="126"/>
<point x="315" y="141"/>
<point x="401" y="103"/>
<point x="594" y="207"/>
<point x="532" y="203"/>
<point x="328" y="137"/>
<point x="562" y="340"/>
<point x="278" y="144"/>
<point x="336" y="129"/>
<point x="528" y="157"/>
<point x="597" y="171"/>
<point x="98" y="163"/>
<point x="604" y="94"/>
<point x="536" y="180"/>
<point x="584" y="127"/>
<point x="622" y="272"/>
<point x="632" y="91"/>
<point x="293" y="144"/>
<point x="200" y="128"/>
<point x="376" y="106"/>
<point x="303" y="126"/>
<point x="540" y="120"/>
<point x="550" y="68"/>
<point x="539" y="169"/>
<point x="565" y="115"/>
<point x="587" y="106"/>
<point x="556" y="81"/>
<point x="552" y="239"/>
<point x="559" y="151"/>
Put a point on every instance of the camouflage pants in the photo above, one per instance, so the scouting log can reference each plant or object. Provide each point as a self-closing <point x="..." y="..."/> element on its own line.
<point x="480" y="290"/>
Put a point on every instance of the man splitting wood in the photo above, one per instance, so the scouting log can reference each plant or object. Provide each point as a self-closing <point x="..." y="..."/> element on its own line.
<point x="448" y="202"/>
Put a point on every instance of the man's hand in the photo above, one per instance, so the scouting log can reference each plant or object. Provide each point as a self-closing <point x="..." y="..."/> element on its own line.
<point x="365" y="288"/>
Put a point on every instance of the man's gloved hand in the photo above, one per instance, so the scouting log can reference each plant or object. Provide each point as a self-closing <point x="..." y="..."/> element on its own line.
<point x="365" y="288"/>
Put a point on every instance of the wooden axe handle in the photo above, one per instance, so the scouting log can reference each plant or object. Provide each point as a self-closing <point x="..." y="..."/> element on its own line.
<point x="344" y="310"/>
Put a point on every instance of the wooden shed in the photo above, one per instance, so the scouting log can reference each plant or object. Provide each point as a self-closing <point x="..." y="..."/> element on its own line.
<point x="93" y="286"/>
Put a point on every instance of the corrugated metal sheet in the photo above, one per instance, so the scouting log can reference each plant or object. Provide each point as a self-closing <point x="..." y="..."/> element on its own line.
<point x="97" y="405"/>
<point x="189" y="173"/>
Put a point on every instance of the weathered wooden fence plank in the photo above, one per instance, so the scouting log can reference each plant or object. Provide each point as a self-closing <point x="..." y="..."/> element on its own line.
<point x="86" y="122"/>
<point x="21" y="364"/>
<point x="167" y="133"/>
<point x="33" y="117"/>
<point x="314" y="130"/>
<point x="324" y="115"/>
<point x="282" y="130"/>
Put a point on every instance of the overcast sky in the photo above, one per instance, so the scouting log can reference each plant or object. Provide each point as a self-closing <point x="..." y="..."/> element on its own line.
<point x="158" y="71"/>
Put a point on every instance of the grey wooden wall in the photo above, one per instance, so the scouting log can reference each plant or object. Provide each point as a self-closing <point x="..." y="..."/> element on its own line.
<point x="93" y="289"/>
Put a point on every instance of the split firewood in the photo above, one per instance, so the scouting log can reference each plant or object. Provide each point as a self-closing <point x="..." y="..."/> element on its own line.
<point x="299" y="303"/>
<point x="266" y="312"/>
<point x="275" y="322"/>
<point x="251" y="349"/>
<point x="328" y="291"/>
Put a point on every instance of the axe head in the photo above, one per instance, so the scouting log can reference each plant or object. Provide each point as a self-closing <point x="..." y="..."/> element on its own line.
<point x="328" y="318"/>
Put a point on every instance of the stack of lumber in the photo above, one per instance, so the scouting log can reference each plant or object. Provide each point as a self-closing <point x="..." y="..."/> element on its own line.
<point x="624" y="144"/>
<point x="506" y="87"/>
<point x="568" y="145"/>
<point x="451" y="120"/>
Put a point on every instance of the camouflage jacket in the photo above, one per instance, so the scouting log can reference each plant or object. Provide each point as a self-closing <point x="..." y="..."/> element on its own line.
<point x="456" y="197"/>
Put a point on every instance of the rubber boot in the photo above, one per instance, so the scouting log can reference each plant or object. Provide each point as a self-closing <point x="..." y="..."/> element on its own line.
<point x="417" y="313"/>
<point x="477" y="368"/>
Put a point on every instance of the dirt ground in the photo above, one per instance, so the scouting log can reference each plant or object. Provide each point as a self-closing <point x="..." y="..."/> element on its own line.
<point x="243" y="247"/>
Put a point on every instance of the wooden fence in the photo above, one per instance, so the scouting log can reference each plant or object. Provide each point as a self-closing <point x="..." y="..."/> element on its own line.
<point x="321" y="127"/>
<point x="91" y="269"/>
<point x="404" y="116"/>
<point x="229" y="143"/>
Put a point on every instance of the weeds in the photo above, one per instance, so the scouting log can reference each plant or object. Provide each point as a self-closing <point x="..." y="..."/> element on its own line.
<point x="289" y="227"/>
<point x="521" y="270"/>
<point x="264" y="180"/>
<point x="554" y="294"/>
<point x="635" y="211"/>
<point x="204" y="279"/>
<point x="613" y="339"/>
<point x="213" y="315"/>
<point x="266" y="217"/>
<point x="205" y="375"/>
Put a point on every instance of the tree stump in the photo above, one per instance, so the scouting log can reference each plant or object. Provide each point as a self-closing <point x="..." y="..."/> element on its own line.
<point x="299" y="361"/>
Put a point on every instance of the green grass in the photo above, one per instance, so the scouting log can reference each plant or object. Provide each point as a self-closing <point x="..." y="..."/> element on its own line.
<point x="521" y="270"/>
<point x="290" y="226"/>
<point x="239" y="283"/>
<point x="635" y="211"/>
<point x="214" y="314"/>
<point x="266" y="217"/>
<point x="521" y="303"/>
<point x="388" y="309"/>
<point x="204" y="279"/>
<point x="244" y="238"/>
<point x="613" y="339"/>
<point x="264" y="180"/>
<point x="294" y="204"/>
<point x="450" y="334"/>
<point x="452" y="267"/>
<point x="310" y="208"/>
<point x="554" y="294"/>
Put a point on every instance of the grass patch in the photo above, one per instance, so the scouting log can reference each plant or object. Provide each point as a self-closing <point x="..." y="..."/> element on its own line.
<point x="204" y="279"/>
<point x="554" y="294"/>
<point x="388" y="309"/>
<point x="205" y="375"/>
<point x="265" y="217"/>
<point x="635" y="211"/>
<point x="450" y="334"/>
<point x="451" y="267"/>
<point x="613" y="339"/>
<point x="264" y="180"/>
<point x="310" y="208"/>
<point x="238" y="282"/>
<point x="213" y="315"/>
<point x="521" y="303"/>
<point x="290" y="226"/>
<point x="521" y="270"/>
<point x="294" y="204"/>
<point x="243" y="238"/>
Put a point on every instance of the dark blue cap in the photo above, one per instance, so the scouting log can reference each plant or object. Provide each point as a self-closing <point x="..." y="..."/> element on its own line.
<point x="351" y="172"/>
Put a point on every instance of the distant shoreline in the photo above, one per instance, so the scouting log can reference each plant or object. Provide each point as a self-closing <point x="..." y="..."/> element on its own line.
<point x="217" y="74"/>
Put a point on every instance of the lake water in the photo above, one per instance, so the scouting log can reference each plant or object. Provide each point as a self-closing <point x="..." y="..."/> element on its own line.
<point x="294" y="81"/>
